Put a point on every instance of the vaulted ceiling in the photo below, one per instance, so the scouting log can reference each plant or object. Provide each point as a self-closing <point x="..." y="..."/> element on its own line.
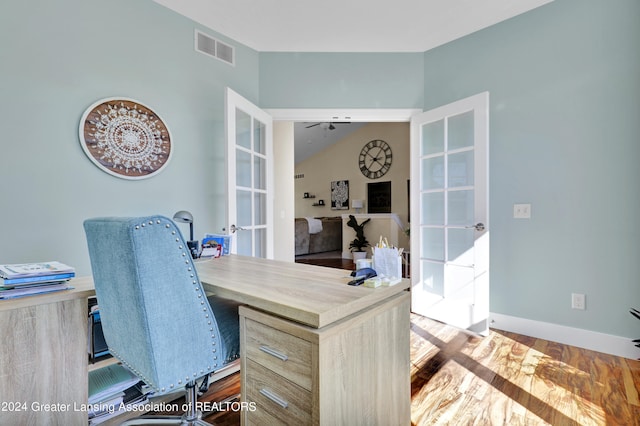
<point x="345" y="26"/>
<point x="348" y="25"/>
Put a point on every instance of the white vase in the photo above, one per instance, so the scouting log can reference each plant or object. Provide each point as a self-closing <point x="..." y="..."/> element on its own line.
<point x="359" y="255"/>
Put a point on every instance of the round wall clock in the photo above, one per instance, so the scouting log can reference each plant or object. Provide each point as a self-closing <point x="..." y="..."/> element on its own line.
<point x="375" y="159"/>
<point x="125" y="138"/>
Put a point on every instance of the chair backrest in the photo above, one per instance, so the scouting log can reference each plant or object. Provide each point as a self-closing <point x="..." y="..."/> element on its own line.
<point x="155" y="315"/>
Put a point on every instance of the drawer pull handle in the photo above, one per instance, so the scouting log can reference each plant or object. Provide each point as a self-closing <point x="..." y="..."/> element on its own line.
<point x="275" y="398"/>
<point x="273" y="352"/>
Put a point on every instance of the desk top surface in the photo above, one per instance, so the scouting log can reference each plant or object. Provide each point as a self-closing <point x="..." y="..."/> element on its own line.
<point x="312" y="295"/>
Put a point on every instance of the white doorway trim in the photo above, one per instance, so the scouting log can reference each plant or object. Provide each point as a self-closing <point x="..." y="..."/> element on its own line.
<point x="286" y="208"/>
<point x="332" y="114"/>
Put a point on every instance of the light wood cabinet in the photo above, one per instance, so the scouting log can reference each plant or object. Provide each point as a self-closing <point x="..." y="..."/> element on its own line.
<point x="354" y="371"/>
<point x="314" y="350"/>
<point x="43" y="358"/>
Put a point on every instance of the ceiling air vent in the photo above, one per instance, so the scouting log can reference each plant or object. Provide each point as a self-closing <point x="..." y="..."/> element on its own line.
<point x="212" y="47"/>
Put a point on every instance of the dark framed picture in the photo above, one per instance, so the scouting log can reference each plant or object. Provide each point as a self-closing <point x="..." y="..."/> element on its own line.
<point x="340" y="195"/>
<point x="379" y="197"/>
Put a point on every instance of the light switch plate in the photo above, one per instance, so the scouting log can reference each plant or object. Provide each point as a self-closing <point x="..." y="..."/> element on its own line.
<point x="578" y="301"/>
<point x="522" y="211"/>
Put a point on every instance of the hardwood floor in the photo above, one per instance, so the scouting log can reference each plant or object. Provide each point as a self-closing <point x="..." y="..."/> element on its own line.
<point x="503" y="379"/>
<point x="331" y="262"/>
<point x="458" y="378"/>
<point x="509" y="379"/>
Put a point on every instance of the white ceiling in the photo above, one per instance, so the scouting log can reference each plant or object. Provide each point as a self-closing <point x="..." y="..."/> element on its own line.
<point x="345" y="26"/>
<point x="348" y="25"/>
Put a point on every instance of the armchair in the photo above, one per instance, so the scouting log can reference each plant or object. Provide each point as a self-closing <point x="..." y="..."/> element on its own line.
<point x="156" y="318"/>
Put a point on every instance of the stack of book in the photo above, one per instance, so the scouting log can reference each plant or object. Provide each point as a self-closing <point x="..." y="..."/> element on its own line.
<point x="113" y="390"/>
<point x="34" y="278"/>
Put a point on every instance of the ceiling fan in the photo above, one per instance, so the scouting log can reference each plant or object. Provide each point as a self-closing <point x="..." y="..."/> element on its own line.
<point x="328" y="125"/>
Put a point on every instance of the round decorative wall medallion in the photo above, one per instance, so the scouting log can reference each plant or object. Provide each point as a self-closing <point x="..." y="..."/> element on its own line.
<point x="125" y="138"/>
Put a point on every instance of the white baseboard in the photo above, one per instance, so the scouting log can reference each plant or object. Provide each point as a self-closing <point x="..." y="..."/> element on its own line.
<point x="606" y="343"/>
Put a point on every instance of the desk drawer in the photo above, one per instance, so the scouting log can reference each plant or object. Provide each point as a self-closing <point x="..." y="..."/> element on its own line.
<point x="284" y="354"/>
<point x="275" y="398"/>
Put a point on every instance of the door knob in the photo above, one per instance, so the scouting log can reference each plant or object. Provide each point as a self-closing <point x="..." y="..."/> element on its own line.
<point x="478" y="226"/>
<point x="234" y="228"/>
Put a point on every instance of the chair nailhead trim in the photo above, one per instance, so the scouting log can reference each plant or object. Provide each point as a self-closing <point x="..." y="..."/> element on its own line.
<point x="198" y="289"/>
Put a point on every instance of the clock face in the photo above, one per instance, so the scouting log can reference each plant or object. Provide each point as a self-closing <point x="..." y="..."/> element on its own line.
<point x="375" y="159"/>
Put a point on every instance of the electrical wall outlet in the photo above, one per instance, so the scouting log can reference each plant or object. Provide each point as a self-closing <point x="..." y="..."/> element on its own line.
<point x="578" y="301"/>
<point x="522" y="211"/>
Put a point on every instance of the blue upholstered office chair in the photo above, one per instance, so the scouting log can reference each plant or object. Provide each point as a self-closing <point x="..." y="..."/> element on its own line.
<point x="155" y="315"/>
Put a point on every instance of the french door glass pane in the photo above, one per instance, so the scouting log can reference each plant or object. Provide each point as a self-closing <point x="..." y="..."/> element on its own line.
<point x="260" y="172"/>
<point x="460" y="247"/>
<point x="243" y="129"/>
<point x="432" y="173"/>
<point x="460" y="131"/>
<point x="460" y="169"/>
<point x="260" y="242"/>
<point x="432" y="208"/>
<point x="460" y="206"/>
<point x="433" y="243"/>
<point x="259" y="136"/>
<point x="459" y="283"/>
<point x="433" y="277"/>
<point x="260" y="206"/>
<point x="244" y="243"/>
<point x="243" y="168"/>
<point x="432" y="138"/>
<point x="243" y="203"/>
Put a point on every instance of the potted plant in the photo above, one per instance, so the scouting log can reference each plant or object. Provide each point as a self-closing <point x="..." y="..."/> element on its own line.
<point x="635" y="313"/>
<point x="360" y="242"/>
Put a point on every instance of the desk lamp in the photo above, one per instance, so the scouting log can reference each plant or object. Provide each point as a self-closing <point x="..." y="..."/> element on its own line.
<point x="184" y="216"/>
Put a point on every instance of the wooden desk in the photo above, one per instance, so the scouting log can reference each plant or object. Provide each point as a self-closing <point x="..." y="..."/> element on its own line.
<point x="43" y="357"/>
<point x="347" y="347"/>
<point x="315" y="350"/>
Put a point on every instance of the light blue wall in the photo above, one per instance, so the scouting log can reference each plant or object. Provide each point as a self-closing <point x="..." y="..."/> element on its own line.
<point x="564" y="82"/>
<point x="565" y="119"/>
<point x="56" y="59"/>
<point x="344" y="80"/>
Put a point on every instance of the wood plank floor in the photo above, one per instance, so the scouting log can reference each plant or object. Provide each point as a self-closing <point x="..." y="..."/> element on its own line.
<point x="503" y="379"/>
<point x="458" y="378"/>
<point x="509" y="379"/>
<point x="328" y="262"/>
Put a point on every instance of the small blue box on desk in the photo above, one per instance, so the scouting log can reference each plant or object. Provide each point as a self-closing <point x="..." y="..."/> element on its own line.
<point x="221" y="239"/>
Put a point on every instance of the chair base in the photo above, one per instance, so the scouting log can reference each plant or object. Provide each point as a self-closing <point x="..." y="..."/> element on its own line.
<point x="165" y="420"/>
<point x="191" y="417"/>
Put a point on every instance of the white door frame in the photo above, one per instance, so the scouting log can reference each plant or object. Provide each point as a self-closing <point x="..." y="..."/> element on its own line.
<point x="397" y="115"/>
<point x="336" y="114"/>
<point x="235" y="100"/>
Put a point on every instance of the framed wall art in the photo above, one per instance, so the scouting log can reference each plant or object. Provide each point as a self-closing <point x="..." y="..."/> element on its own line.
<point x="379" y="197"/>
<point x="125" y="138"/>
<point x="340" y="195"/>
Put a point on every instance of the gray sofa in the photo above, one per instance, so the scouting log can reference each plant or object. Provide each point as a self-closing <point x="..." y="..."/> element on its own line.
<point x="329" y="239"/>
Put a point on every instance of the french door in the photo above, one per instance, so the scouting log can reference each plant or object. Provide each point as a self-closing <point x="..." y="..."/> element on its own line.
<point x="249" y="133"/>
<point x="450" y="214"/>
